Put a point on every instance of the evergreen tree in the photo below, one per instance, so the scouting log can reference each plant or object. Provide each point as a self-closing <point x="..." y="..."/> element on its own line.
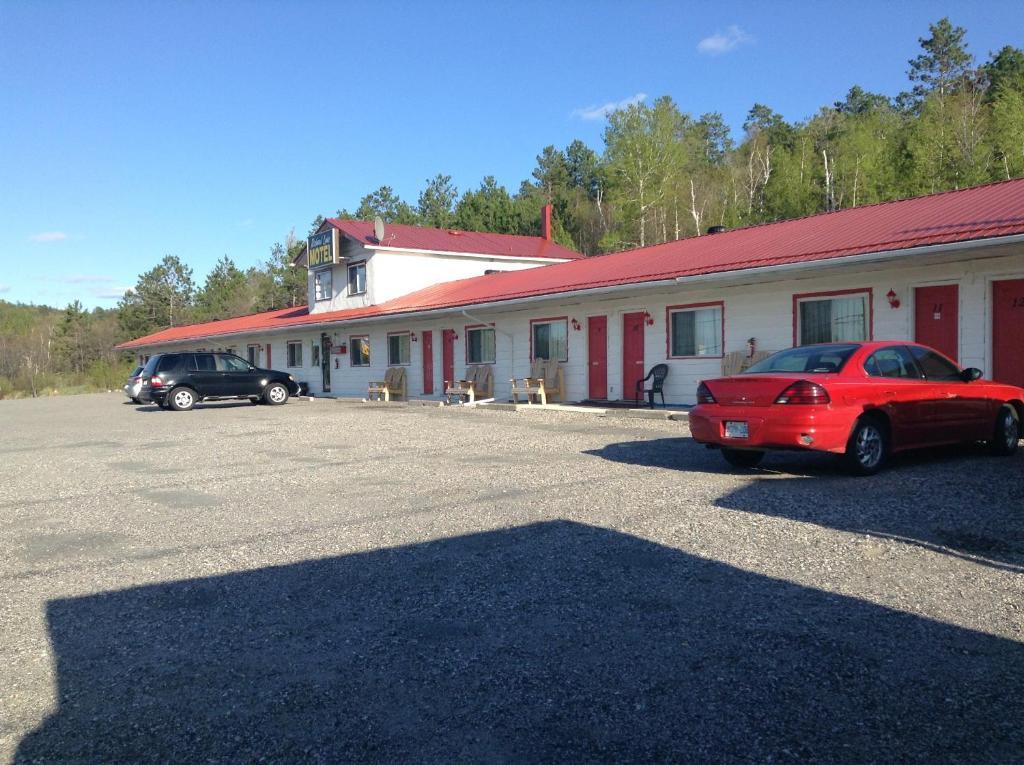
<point x="436" y="206"/>
<point x="226" y="293"/>
<point x="162" y="298"/>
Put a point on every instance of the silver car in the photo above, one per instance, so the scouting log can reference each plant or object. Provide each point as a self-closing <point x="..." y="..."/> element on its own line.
<point x="134" y="385"/>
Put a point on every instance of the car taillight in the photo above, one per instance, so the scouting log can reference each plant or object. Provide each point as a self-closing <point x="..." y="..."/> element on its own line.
<point x="704" y="395"/>
<point x="156" y="382"/>
<point x="803" y="392"/>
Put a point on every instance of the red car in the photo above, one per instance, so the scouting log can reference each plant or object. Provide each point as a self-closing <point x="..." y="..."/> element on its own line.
<point x="860" y="400"/>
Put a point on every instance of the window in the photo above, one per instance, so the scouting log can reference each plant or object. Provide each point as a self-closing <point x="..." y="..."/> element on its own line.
<point x="357" y="279"/>
<point x="479" y="345"/>
<point x="398" y="349"/>
<point x="892" y="362"/>
<point x="254" y="355"/>
<point x="204" y="362"/>
<point x="825" y="359"/>
<point x="695" y="331"/>
<point x="359" y="348"/>
<point x="832" y="319"/>
<point x="314" y="353"/>
<point x="294" y="353"/>
<point x="228" y="363"/>
<point x="550" y="339"/>
<point x="934" y="366"/>
<point x="322" y="284"/>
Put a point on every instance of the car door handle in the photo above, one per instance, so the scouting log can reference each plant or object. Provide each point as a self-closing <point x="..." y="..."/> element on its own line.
<point x="952" y="395"/>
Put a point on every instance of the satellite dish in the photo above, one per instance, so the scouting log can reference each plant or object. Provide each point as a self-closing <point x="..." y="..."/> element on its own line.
<point x="378" y="229"/>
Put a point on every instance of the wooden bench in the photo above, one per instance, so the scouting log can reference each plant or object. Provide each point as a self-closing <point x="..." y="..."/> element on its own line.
<point x="736" y="361"/>
<point x="392" y="386"/>
<point x="479" y="383"/>
<point x="546" y="382"/>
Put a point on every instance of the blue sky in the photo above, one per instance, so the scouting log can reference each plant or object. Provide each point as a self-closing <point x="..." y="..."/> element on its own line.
<point x="133" y="130"/>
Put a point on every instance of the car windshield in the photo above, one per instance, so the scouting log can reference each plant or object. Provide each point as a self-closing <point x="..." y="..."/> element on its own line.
<point x="135" y="371"/>
<point x="151" y="365"/>
<point x="826" y="359"/>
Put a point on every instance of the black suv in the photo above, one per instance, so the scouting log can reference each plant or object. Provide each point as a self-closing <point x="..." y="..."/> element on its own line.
<point x="179" y="380"/>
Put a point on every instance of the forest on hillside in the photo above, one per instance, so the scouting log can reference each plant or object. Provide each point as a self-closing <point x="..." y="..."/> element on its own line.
<point x="662" y="174"/>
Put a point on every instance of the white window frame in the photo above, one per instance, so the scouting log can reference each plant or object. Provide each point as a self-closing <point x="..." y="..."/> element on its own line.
<point x="288" y="354"/>
<point x="322" y="285"/>
<point x="408" y="349"/>
<point x="364" y="340"/>
<point x="252" y="354"/>
<point x="356" y="267"/>
<point x="819" y="297"/>
<point x="469" y="345"/>
<point x="671" y="312"/>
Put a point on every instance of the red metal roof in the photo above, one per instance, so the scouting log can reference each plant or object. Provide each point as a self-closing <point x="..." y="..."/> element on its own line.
<point x="452" y="240"/>
<point x="994" y="210"/>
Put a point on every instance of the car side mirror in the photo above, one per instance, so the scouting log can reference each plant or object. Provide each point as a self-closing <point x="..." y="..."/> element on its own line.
<point x="252" y="368"/>
<point x="970" y="374"/>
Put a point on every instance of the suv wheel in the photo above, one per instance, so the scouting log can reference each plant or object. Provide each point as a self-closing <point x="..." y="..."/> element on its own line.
<point x="275" y="394"/>
<point x="182" y="399"/>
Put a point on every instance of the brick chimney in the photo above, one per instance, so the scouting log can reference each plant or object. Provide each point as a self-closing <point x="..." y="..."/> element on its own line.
<point x="545" y="222"/>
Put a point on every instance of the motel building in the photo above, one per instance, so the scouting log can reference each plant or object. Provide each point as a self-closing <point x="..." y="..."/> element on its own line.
<point x="946" y="270"/>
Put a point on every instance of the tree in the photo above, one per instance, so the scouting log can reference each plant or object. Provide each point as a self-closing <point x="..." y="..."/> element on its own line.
<point x="488" y="208"/>
<point x="226" y="293"/>
<point x="436" y="205"/>
<point x="279" y="284"/>
<point x="388" y="205"/>
<point x="943" y="62"/>
<point x="71" y="339"/>
<point x="162" y="298"/>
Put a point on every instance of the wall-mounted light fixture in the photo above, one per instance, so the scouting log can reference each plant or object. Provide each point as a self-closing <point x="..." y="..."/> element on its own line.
<point x="894" y="299"/>
<point x="412" y="337"/>
<point x="576" y="325"/>
<point x="648" y="319"/>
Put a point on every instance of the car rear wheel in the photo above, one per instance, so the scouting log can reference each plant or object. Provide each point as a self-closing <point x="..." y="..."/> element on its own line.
<point x="275" y="394"/>
<point x="1006" y="433"/>
<point x="182" y="399"/>
<point x="868" y="447"/>
<point x="743" y="458"/>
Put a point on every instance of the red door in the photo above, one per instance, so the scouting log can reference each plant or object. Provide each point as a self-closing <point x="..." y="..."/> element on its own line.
<point x="427" y="338"/>
<point x="597" y="355"/>
<point x="448" y="355"/>
<point x="936" y="318"/>
<point x="632" y="353"/>
<point x="1008" y="331"/>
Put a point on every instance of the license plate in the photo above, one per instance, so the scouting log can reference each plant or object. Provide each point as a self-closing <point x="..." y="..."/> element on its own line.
<point x="736" y="430"/>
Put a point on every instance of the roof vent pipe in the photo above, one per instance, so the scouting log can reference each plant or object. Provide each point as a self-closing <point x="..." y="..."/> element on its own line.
<point x="717" y="230"/>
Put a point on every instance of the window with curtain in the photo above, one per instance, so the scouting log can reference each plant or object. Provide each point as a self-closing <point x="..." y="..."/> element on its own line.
<point x="359" y="351"/>
<point x="295" y="354"/>
<point x="832" y="320"/>
<point x="322" y="284"/>
<point x="551" y="340"/>
<point x="480" y="345"/>
<point x="398" y="349"/>
<point x="357" y="279"/>
<point x="696" y="332"/>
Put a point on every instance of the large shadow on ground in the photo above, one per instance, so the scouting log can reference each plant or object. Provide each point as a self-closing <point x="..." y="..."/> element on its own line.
<point x="550" y="642"/>
<point x="957" y="501"/>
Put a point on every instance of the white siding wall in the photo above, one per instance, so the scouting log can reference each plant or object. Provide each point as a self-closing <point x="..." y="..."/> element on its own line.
<point x="761" y="310"/>
<point x="391" y="274"/>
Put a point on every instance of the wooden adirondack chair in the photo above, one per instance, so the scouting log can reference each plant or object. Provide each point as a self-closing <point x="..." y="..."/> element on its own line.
<point x="479" y="383"/>
<point x="546" y="382"/>
<point x="735" y="362"/>
<point x="392" y="386"/>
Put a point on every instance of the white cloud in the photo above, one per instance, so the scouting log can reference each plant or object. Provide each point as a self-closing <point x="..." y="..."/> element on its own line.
<point x="49" y="236"/>
<point x="109" y="294"/>
<point x="602" y="111"/>
<point x="85" y="279"/>
<point x="5" y="288"/>
<point x="720" y="42"/>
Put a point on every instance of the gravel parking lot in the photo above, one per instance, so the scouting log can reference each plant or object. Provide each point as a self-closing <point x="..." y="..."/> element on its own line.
<point x="340" y="582"/>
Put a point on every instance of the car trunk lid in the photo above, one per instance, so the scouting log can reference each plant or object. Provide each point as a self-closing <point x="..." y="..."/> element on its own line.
<point x="750" y="390"/>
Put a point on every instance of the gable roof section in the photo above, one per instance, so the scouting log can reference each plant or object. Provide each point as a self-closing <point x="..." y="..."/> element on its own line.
<point x="983" y="212"/>
<point x="404" y="237"/>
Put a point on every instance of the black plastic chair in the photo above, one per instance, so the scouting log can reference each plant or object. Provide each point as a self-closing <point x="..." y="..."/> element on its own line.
<point x="657" y="377"/>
